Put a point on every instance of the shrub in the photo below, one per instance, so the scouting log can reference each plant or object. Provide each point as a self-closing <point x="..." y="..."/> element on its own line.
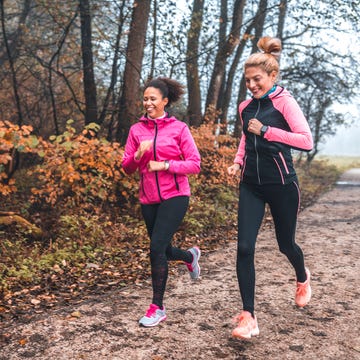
<point x="81" y="171"/>
<point x="14" y="139"/>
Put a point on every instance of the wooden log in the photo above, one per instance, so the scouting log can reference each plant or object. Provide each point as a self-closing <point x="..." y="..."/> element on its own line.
<point x="8" y="218"/>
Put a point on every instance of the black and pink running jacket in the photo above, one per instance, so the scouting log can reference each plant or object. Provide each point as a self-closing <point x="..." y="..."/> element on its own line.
<point x="268" y="160"/>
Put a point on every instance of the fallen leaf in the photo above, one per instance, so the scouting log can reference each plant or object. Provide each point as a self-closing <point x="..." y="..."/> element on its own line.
<point x="22" y="342"/>
<point x="76" y="314"/>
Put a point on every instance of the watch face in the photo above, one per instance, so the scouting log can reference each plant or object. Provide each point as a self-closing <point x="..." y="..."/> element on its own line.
<point x="263" y="130"/>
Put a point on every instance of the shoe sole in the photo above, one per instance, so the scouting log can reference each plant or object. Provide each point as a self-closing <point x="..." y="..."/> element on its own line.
<point x="253" y="333"/>
<point x="154" y="324"/>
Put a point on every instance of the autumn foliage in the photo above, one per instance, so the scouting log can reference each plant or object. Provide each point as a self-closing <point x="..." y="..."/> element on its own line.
<point x="14" y="139"/>
<point x="78" y="170"/>
<point x="76" y="192"/>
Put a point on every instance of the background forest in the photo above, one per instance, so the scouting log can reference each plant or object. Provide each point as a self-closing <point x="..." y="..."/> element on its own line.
<point x="71" y="76"/>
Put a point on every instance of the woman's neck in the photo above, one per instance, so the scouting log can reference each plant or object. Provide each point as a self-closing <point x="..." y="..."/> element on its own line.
<point x="269" y="92"/>
<point x="158" y="117"/>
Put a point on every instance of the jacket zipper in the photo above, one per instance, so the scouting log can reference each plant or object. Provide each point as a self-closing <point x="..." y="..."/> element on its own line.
<point x="255" y="143"/>
<point x="176" y="183"/>
<point x="156" y="173"/>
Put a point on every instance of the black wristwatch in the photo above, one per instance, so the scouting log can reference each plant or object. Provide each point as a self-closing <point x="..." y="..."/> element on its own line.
<point x="263" y="130"/>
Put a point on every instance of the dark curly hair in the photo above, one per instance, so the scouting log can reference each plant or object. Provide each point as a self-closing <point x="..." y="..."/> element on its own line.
<point x="169" y="88"/>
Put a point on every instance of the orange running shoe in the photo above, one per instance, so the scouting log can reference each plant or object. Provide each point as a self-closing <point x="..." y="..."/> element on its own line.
<point x="303" y="291"/>
<point x="247" y="326"/>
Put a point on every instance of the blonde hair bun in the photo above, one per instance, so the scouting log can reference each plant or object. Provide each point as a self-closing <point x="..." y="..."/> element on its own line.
<point x="270" y="45"/>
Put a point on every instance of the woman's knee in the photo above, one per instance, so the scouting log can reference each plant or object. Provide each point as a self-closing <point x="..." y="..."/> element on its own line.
<point x="157" y="250"/>
<point x="244" y="249"/>
<point x="288" y="250"/>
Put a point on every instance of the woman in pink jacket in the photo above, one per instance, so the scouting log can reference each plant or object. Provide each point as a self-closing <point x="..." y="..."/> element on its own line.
<point x="273" y="124"/>
<point x="163" y="150"/>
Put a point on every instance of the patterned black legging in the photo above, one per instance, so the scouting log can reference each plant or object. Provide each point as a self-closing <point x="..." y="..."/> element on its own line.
<point x="284" y="201"/>
<point x="162" y="220"/>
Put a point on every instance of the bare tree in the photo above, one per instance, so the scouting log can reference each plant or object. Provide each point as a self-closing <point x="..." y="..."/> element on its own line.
<point x="88" y="63"/>
<point x="12" y="65"/>
<point x="15" y="37"/>
<point x="282" y="16"/>
<point x="129" y="100"/>
<point x="222" y="56"/>
<point x="114" y="68"/>
<point x="258" y="25"/>
<point x="192" y="67"/>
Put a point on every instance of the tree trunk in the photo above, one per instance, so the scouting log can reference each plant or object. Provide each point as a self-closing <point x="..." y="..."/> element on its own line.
<point x="259" y="22"/>
<point x="230" y="79"/>
<point x="282" y="17"/>
<point x="61" y="42"/>
<point x="114" y="68"/>
<point x="12" y="66"/>
<point x="224" y="53"/>
<point x="129" y="106"/>
<point x="153" y="44"/>
<point x="192" y="68"/>
<point x="14" y="38"/>
<point x="88" y="65"/>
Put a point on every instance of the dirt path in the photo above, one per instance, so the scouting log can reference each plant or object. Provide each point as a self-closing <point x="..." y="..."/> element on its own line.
<point x="199" y="313"/>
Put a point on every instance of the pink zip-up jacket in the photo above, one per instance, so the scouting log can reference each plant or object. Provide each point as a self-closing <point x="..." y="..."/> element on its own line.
<point x="268" y="160"/>
<point x="172" y="141"/>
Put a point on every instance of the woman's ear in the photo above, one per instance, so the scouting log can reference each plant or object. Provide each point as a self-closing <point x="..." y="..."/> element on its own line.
<point x="273" y="76"/>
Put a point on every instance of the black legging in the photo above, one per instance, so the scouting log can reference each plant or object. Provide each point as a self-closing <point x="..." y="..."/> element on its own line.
<point x="284" y="201"/>
<point x="162" y="220"/>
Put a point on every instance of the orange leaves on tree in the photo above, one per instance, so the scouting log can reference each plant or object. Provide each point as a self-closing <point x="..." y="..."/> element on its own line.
<point x="79" y="169"/>
<point x="13" y="139"/>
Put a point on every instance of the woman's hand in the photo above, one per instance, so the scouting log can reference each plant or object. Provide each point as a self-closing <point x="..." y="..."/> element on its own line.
<point x="156" y="166"/>
<point x="255" y="126"/>
<point x="143" y="147"/>
<point x="233" y="169"/>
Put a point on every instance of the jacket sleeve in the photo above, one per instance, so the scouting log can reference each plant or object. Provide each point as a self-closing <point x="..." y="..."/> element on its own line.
<point x="129" y="163"/>
<point x="239" y="157"/>
<point x="190" y="164"/>
<point x="300" y="136"/>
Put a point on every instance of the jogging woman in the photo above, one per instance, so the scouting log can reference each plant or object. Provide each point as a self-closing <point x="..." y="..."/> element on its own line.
<point x="272" y="124"/>
<point x="162" y="149"/>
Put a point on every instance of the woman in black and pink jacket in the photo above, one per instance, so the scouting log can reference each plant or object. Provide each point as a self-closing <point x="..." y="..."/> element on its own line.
<point x="163" y="151"/>
<point x="273" y="124"/>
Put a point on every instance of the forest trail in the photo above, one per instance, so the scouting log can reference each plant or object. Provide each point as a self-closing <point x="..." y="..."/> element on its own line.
<point x="200" y="313"/>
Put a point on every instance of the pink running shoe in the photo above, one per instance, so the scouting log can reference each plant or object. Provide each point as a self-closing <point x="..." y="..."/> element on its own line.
<point x="303" y="291"/>
<point x="154" y="315"/>
<point x="247" y="326"/>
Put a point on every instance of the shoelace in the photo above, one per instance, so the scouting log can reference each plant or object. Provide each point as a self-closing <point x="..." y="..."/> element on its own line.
<point x="239" y="319"/>
<point x="301" y="289"/>
<point x="151" y="311"/>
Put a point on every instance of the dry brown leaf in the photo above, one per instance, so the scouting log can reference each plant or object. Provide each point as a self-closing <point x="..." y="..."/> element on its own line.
<point x="76" y="314"/>
<point x="22" y="342"/>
